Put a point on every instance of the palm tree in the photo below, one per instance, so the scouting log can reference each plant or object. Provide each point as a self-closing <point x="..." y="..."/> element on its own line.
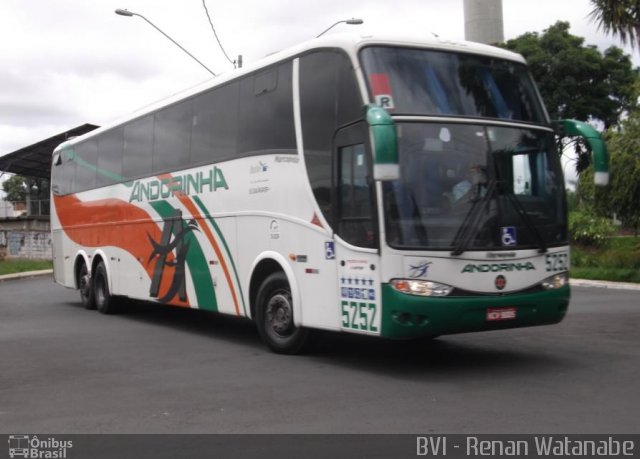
<point x="618" y="17"/>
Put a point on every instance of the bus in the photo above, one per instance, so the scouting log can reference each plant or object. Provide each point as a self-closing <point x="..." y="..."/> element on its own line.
<point x="395" y="187"/>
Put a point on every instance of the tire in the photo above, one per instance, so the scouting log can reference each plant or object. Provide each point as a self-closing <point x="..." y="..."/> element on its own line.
<point x="84" y="283"/>
<point x="101" y="294"/>
<point x="274" y="317"/>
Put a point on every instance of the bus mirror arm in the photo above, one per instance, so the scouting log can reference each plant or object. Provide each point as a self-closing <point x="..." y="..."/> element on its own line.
<point x="600" y="155"/>
<point x="384" y="142"/>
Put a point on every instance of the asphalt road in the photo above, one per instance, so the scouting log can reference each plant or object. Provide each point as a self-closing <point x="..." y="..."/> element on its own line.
<point x="161" y="370"/>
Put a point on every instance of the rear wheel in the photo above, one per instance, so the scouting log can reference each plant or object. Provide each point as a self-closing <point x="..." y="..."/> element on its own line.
<point x="274" y="317"/>
<point x="102" y="296"/>
<point x="84" y="285"/>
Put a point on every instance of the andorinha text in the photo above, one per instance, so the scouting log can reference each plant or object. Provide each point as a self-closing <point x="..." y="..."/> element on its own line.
<point x="540" y="446"/>
<point x="498" y="267"/>
<point x="187" y="184"/>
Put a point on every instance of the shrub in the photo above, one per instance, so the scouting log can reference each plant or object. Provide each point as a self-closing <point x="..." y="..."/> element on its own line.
<point x="589" y="229"/>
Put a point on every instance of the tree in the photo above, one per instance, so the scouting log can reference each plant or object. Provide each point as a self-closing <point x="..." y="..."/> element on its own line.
<point x="618" y="17"/>
<point x="15" y="188"/>
<point x="578" y="81"/>
<point x="622" y="196"/>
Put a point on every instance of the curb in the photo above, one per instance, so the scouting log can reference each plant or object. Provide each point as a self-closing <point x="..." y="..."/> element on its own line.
<point x="26" y="275"/>
<point x="604" y="284"/>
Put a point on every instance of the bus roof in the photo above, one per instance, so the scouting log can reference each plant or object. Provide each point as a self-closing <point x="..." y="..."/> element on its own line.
<point x="350" y="42"/>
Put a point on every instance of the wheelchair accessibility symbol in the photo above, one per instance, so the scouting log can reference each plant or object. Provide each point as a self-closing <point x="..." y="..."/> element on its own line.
<point x="329" y="250"/>
<point x="508" y="236"/>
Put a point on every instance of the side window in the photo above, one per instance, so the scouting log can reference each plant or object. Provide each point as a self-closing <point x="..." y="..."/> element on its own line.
<point x="356" y="216"/>
<point x="329" y="98"/>
<point x="109" y="162"/>
<point x="86" y="160"/>
<point x="266" y="112"/>
<point x="215" y="125"/>
<point x="57" y="173"/>
<point x="172" y="137"/>
<point x="67" y="185"/>
<point x="138" y="148"/>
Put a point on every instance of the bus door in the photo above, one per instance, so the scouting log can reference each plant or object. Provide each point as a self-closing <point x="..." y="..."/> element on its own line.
<point x="356" y="240"/>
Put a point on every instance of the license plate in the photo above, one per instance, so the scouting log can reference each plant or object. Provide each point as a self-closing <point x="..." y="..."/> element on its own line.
<point x="494" y="314"/>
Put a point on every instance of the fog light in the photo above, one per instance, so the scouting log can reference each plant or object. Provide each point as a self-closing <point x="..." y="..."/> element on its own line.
<point x="556" y="281"/>
<point x="421" y="287"/>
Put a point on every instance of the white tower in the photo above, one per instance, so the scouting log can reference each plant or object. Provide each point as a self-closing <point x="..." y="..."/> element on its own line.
<point x="483" y="21"/>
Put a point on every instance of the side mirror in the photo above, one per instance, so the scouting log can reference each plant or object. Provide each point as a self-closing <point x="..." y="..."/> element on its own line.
<point x="384" y="142"/>
<point x="596" y="143"/>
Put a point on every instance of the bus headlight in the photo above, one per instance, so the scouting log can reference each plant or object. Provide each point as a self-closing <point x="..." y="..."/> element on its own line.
<point x="421" y="287"/>
<point x="556" y="281"/>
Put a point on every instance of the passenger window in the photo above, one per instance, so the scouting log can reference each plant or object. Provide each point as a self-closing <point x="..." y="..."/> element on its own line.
<point x="86" y="160"/>
<point x="215" y="125"/>
<point x="266" y="112"/>
<point x="138" y="148"/>
<point x="172" y="137"/>
<point x="109" y="162"/>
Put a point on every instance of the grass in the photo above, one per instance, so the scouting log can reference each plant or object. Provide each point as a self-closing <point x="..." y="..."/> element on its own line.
<point x="20" y="265"/>
<point x="618" y="260"/>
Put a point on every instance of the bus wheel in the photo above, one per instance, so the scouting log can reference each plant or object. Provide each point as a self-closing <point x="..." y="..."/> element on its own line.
<point x="274" y="317"/>
<point x="102" y="297"/>
<point x="84" y="285"/>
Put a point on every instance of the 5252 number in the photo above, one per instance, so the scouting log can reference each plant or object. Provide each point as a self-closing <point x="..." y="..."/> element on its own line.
<point x="557" y="262"/>
<point x="359" y="316"/>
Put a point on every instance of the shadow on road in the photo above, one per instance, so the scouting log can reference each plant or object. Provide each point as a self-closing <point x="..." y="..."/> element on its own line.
<point x="483" y="355"/>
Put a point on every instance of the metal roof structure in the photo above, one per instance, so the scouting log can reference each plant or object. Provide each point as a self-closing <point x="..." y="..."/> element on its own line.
<point x="35" y="160"/>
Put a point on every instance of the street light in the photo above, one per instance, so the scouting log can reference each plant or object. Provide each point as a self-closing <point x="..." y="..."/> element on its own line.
<point x="128" y="13"/>
<point x="352" y="21"/>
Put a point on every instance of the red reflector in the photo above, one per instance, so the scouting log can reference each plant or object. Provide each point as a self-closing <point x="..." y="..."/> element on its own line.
<point x="501" y="313"/>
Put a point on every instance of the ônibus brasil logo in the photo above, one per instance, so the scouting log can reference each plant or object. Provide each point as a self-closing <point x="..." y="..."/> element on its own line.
<point x="30" y="446"/>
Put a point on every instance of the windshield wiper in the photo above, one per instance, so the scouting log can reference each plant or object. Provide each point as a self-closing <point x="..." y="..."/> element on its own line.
<point x="470" y="222"/>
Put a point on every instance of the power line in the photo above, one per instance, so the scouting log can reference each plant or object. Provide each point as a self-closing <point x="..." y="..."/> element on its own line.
<point x="216" y="35"/>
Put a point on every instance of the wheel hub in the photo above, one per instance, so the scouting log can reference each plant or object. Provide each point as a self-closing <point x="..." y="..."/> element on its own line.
<point x="279" y="313"/>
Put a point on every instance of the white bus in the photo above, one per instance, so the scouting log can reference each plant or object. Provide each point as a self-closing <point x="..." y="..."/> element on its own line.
<point x="392" y="187"/>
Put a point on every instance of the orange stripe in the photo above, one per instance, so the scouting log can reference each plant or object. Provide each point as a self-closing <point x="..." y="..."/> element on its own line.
<point x="113" y="222"/>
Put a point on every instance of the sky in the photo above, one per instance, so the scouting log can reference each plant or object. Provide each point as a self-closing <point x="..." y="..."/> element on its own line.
<point x="69" y="62"/>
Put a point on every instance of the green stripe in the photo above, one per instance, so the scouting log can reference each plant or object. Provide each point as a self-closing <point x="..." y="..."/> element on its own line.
<point x="197" y="263"/>
<point x="73" y="156"/>
<point x="216" y="228"/>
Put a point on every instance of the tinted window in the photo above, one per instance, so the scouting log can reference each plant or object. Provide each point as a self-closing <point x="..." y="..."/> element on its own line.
<point x="356" y="225"/>
<point x="412" y="81"/>
<point x="172" y="137"/>
<point x="67" y="185"/>
<point x="266" y="112"/>
<point x="110" y="157"/>
<point x="215" y="125"/>
<point x="329" y="98"/>
<point x="86" y="159"/>
<point x="138" y="147"/>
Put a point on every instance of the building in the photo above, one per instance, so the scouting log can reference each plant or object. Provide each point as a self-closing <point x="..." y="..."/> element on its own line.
<point x="24" y="225"/>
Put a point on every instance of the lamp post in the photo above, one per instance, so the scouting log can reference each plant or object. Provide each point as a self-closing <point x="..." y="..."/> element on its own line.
<point x="128" y="13"/>
<point x="352" y="21"/>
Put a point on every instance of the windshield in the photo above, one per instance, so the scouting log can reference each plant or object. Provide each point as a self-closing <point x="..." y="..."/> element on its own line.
<point x="481" y="187"/>
<point x="426" y="82"/>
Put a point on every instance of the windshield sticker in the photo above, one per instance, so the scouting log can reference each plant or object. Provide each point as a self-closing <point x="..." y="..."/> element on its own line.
<point x="420" y="270"/>
<point x="381" y="90"/>
<point x="508" y="236"/>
